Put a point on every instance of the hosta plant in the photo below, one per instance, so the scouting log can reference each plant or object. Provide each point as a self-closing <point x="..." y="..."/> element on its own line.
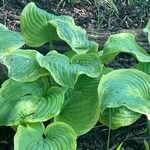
<point x="69" y="91"/>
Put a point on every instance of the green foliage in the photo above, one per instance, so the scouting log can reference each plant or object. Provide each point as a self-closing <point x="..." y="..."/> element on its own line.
<point x="146" y="145"/>
<point x="39" y="27"/>
<point x="9" y="40"/>
<point x="72" y="89"/>
<point x="124" y="96"/>
<point x="26" y="71"/>
<point x="123" y="42"/>
<point x="120" y="146"/>
<point x="29" y="102"/>
<point x="57" y="136"/>
<point x="65" y="71"/>
<point x="145" y="67"/>
<point x="81" y="109"/>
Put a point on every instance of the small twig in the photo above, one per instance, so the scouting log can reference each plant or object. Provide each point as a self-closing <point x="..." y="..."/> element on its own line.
<point x="61" y="1"/>
<point x="4" y="4"/>
<point x="98" y="126"/>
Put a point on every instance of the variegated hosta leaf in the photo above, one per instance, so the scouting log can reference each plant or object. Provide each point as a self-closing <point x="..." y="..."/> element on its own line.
<point x="34" y="26"/>
<point x="9" y="40"/>
<point x="119" y="116"/>
<point x="147" y="29"/>
<point x="81" y="106"/>
<point x="39" y="27"/>
<point x="29" y="102"/>
<point x="123" y="42"/>
<point x="124" y="95"/>
<point x="23" y="66"/>
<point x="65" y="71"/>
<point x="74" y="36"/>
<point x="145" y="67"/>
<point x="57" y="136"/>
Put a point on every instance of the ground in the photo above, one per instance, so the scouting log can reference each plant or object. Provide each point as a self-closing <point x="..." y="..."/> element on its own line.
<point x="97" y="16"/>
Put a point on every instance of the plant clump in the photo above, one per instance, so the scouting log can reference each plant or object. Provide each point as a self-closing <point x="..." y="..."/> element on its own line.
<point x="71" y="90"/>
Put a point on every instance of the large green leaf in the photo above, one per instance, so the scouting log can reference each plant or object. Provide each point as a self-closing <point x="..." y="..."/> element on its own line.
<point x="147" y="29"/>
<point x="9" y="40"/>
<point x="23" y="66"/>
<point x="81" y="106"/>
<point x="123" y="42"/>
<point x="65" y="71"/>
<point x="29" y="102"/>
<point x="74" y="36"/>
<point x="124" y="96"/>
<point x="145" y="67"/>
<point x="118" y="116"/>
<point x="39" y="27"/>
<point x="34" y="26"/>
<point x="57" y="136"/>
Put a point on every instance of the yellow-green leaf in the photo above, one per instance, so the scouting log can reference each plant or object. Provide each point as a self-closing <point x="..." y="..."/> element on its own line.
<point x="124" y="96"/>
<point x="56" y="136"/>
<point x="66" y="71"/>
<point x="22" y="66"/>
<point x="9" y="40"/>
<point x="123" y="42"/>
<point x="29" y="102"/>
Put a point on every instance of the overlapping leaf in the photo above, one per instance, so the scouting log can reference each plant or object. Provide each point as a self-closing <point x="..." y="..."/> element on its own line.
<point x="124" y="96"/>
<point x="39" y="27"/>
<point x="9" y="40"/>
<point x="147" y="29"/>
<point x="58" y="136"/>
<point x="74" y="36"/>
<point x="23" y="66"/>
<point x="34" y="26"/>
<point x="29" y="102"/>
<point x="65" y="71"/>
<point x="81" y="106"/>
<point x="119" y="116"/>
<point x="123" y="42"/>
<point x="145" y="67"/>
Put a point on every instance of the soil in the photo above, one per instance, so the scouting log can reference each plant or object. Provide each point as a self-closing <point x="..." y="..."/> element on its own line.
<point x="93" y="18"/>
<point x="90" y="16"/>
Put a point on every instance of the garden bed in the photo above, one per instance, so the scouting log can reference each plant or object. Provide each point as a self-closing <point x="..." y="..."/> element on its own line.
<point x="85" y="16"/>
